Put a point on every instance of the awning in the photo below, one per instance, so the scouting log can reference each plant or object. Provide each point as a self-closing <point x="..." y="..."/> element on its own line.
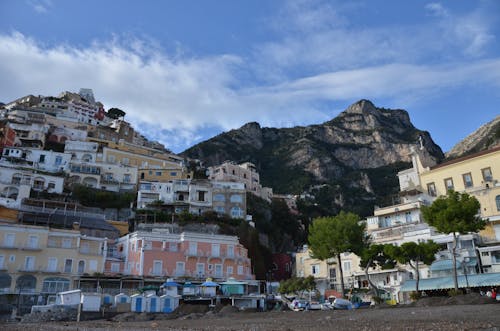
<point x="209" y="284"/>
<point x="441" y="283"/>
<point x="169" y="284"/>
<point x="448" y="264"/>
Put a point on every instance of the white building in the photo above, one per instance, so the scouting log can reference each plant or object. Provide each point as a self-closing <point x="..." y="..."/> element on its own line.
<point x="35" y="158"/>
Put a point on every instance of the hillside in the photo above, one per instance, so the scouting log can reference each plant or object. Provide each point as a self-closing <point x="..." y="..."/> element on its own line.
<point x="349" y="162"/>
<point x="487" y="136"/>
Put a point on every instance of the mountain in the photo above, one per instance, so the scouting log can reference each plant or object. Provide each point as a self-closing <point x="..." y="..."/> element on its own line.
<point x="487" y="136"/>
<point x="349" y="162"/>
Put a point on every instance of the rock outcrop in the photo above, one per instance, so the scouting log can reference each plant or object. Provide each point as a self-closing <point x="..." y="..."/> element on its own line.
<point x="345" y="153"/>
<point x="487" y="136"/>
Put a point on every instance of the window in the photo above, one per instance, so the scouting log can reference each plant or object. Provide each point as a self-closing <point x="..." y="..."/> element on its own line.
<point x="32" y="242"/>
<point x="333" y="274"/>
<point x="85" y="248"/>
<point x="173" y="173"/>
<point x="487" y="175"/>
<point x="157" y="267"/>
<point x="125" y="161"/>
<point x="347" y="266"/>
<point x="42" y="159"/>
<point x="52" y="264"/>
<point x="448" y="184"/>
<point x="179" y="268"/>
<point x="68" y="265"/>
<point x="230" y="250"/>
<point x="215" y="250"/>
<point x="2" y="261"/>
<point x="58" y="160"/>
<point x="126" y="178"/>
<point x="81" y="267"/>
<point x="219" y="197"/>
<point x="219" y="209"/>
<point x="431" y="189"/>
<point x="236" y="212"/>
<point x="10" y="239"/>
<point x="236" y="198"/>
<point x="218" y="270"/>
<point x="240" y="270"/>
<point x="55" y="284"/>
<point x="200" y="269"/>
<point x="497" y="200"/>
<point x="201" y="195"/>
<point x="315" y="269"/>
<point x="158" y="173"/>
<point x="229" y="270"/>
<point x="193" y="248"/>
<point x="66" y="243"/>
<point x="29" y="263"/>
<point x="467" y="180"/>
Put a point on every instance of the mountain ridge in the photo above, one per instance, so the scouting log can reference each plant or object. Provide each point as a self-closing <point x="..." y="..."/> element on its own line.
<point x="344" y="153"/>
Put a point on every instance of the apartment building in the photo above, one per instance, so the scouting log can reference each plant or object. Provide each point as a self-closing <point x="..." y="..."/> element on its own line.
<point x="195" y="196"/>
<point x="478" y="175"/>
<point x="327" y="273"/>
<point x="42" y="260"/>
<point x="86" y="169"/>
<point x="36" y="159"/>
<point x="245" y="173"/>
<point x="160" y="253"/>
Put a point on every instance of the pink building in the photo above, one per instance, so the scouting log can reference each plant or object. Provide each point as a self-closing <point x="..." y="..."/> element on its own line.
<point x="189" y="255"/>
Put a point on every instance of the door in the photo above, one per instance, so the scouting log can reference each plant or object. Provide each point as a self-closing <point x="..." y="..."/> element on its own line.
<point x="153" y="305"/>
<point x="166" y="305"/>
<point x="138" y="304"/>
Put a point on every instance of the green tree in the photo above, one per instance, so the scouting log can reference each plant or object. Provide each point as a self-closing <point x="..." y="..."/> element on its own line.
<point x="456" y="213"/>
<point x="297" y="286"/>
<point x="412" y="254"/>
<point x="375" y="255"/>
<point x="331" y="236"/>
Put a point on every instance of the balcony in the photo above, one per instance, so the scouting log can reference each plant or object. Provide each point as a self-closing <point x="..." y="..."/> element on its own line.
<point x="8" y="246"/>
<point x="157" y="273"/>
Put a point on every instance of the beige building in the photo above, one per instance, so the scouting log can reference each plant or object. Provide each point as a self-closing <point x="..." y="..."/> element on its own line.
<point x="42" y="261"/>
<point x="478" y="175"/>
<point x="243" y="173"/>
<point x="327" y="272"/>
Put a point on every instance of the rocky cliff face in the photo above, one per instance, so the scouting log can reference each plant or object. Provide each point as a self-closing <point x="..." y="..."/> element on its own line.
<point x="345" y="154"/>
<point x="487" y="136"/>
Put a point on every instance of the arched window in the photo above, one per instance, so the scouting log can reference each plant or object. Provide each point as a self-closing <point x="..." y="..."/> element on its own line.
<point x="236" y="198"/>
<point x="26" y="283"/>
<point x="497" y="199"/>
<point x="55" y="284"/>
<point x="81" y="267"/>
<point x="236" y="212"/>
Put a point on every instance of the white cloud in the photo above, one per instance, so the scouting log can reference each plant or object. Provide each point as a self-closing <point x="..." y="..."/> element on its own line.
<point x="179" y="98"/>
<point x="437" y="9"/>
<point x="41" y="6"/>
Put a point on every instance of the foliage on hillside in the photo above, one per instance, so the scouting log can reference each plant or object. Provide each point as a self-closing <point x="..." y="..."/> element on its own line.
<point x="91" y="197"/>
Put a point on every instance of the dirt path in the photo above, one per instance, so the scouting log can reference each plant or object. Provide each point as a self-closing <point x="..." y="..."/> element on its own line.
<point x="452" y="317"/>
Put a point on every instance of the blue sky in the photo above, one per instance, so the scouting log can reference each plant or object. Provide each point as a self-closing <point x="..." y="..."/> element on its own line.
<point x="184" y="71"/>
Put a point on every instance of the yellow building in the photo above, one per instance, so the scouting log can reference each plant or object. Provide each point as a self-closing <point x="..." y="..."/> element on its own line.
<point x="41" y="261"/>
<point x="327" y="273"/>
<point x="164" y="174"/>
<point x="478" y="175"/>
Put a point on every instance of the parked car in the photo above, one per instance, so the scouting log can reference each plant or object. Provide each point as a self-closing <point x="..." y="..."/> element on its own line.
<point x="299" y="304"/>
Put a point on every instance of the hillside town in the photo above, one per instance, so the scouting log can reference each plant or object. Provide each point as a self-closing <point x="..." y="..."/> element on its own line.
<point x="121" y="252"/>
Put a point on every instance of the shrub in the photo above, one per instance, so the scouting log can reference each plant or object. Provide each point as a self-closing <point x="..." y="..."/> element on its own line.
<point x="414" y="296"/>
<point x="453" y="293"/>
